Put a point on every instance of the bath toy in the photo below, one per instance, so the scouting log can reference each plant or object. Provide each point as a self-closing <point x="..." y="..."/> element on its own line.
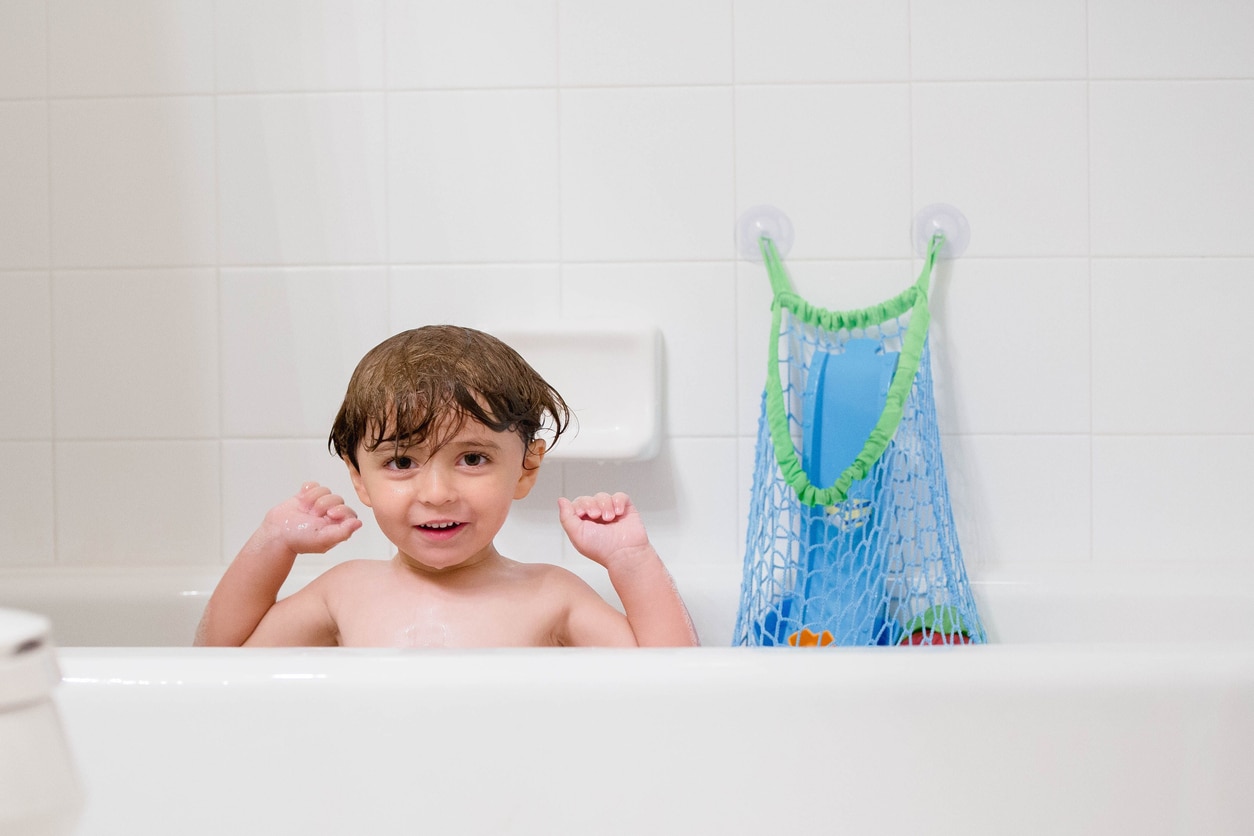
<point x="805" y="638"/>
<point x="937" y="625"/>
<point x="777" y="623"/>
<point x="844" y="577"/>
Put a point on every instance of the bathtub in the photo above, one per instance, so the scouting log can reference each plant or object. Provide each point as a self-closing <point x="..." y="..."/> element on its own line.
<point x="1109" y="701"/>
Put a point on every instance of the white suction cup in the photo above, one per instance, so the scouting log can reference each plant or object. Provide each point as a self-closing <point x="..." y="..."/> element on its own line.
<point x="941" y="217"/>
<point x="758" y="221"/>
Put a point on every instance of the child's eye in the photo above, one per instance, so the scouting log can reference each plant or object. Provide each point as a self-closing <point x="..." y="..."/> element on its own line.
<point x="474" y="459"/>
<point x="401" y="463"/>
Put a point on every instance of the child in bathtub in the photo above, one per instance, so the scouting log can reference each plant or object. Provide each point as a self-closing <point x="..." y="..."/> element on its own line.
<point x="439" y="432"/>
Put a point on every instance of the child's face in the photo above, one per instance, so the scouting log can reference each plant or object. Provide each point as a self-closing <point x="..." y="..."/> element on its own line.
<point x="442" y="510"/>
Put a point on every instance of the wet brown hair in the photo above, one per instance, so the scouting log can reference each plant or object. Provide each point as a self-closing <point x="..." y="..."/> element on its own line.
<point x="420" y="386"/>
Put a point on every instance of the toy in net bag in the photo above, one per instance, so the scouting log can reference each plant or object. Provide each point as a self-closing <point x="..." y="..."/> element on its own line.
<point x="851" y="538"/>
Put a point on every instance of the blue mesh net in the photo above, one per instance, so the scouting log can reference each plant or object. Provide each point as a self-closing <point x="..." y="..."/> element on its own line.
<point x="882" y="566"/>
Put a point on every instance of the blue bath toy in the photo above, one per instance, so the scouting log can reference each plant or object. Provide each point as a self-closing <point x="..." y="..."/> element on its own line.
<point x="843" y="586"/>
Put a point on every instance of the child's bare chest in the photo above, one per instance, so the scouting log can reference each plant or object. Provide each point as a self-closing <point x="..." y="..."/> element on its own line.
<point x="419" y="616"/>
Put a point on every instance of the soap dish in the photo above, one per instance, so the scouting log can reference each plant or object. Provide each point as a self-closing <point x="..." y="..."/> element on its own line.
<point x="610" y="375"/>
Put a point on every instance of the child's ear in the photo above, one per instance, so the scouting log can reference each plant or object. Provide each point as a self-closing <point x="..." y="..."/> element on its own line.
<point x="358" y="484"/>
<point x="531" y="468"/>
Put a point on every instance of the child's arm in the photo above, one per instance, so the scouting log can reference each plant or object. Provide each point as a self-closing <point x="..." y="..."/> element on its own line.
<point x="309" y="523"/>
<point x="608" y="530"/>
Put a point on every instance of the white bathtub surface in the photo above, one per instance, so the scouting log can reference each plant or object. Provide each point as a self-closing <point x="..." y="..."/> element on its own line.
<point x="1110" y="702"/>
<point x="1043" y="739"/>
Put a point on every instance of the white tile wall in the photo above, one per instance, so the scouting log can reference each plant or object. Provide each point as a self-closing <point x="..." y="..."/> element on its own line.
<point x="1171" y="498"/>
<point x="646" y="173"/>
<point x="434" y="44"/>
<point x="837" y="156"/>
<point x="24" y="225"/>
<point x="23" y="49"/>
<point x="802" y="42"/>
<point x="132" y="182"/>
<point x="1014" y="157"/>
<point x="301" y="179"/>
<point x="1171" y="168"/>
<point x="608" y="42"/>
<point x="137" y="502"/>
<point x="209" y="210"/>
<point x="27" y="519"/>
<point x="987" y="40"/>
<point x="130" y="47"/>
<point x="135" y="354"/>
<point x="1169" y="346"/>
<point x="294" y="337"/>
<point x="26" y="355"/>
<point x="280" y="46"/>
<point x="1161" y="40"/>
<point x="472" y="176"/>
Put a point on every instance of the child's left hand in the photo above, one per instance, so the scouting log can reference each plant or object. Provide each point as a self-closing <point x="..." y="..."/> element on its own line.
<point x="603" y="528"/>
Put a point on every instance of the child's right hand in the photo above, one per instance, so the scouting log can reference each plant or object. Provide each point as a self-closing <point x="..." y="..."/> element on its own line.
<point x="313" y="521"/>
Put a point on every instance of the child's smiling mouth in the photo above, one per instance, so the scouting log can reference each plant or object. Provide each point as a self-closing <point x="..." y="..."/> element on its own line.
<point x="440" y="529"/>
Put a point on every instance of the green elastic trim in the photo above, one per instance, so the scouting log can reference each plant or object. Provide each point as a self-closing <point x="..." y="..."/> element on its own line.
<point x="913" y="299"/>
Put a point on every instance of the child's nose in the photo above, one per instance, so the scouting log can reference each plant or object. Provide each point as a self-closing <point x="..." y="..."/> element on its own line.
<point x="434" y="486"/>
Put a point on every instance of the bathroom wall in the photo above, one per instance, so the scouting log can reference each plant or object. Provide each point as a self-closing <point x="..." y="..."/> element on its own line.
<point x="210" y="210"/>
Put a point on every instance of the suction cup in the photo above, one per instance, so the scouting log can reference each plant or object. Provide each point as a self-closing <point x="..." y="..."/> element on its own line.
<point x="758" y="221"/>
<point x="941" y="217"/>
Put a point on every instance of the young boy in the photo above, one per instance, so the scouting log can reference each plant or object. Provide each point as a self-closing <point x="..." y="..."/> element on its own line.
<point x="439" y="433"/>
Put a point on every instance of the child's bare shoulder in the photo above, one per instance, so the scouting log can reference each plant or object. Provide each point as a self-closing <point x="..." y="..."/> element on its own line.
<point x="350" y="572"/>
<point x="555" y="579"/>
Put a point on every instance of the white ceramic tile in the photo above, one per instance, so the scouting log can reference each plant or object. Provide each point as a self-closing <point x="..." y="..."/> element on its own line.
<point x="135" y="354"/>
<point x="646" y="42"/>
<point x="471" y="43"/>
<point x="834" y="159"/>
<point x="646" y="174"/>
<point x="23" y="49"/>
<point x="477" y="296"/>
<point x="138" y="503"/>
<point x="25" y="356"/>
<point x="1012" y="157"/>
<point x="130" y="47"/>
<point x="26" y="504"/>
<point x="1010" y="340"/>
<point x="753" y="335"/>
<point x="132" y="182"/>
<point x="1171" y="39"/>
<point x="257" y="475"/>
<point x="24" y="223"/>
<point x="472" y="176"/>
<point x="686" y="497"/>
<point x="984" y="39"/>
<point x="1167" y="346"/>
<point x="802" y="41"/>
<point x="285" y="45"/>
<point x="1165" y="498"/>
<point x="290" y="341"/>
<point x="1020" y="498"/>
<point x="694" y="305"/>
<point x="1170" y="171"/>
<point x="844" y="285"/>
<point x="301" y="179"/>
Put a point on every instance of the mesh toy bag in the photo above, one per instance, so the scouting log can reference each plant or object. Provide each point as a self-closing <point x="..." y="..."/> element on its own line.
<point x="851" y="538"/>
